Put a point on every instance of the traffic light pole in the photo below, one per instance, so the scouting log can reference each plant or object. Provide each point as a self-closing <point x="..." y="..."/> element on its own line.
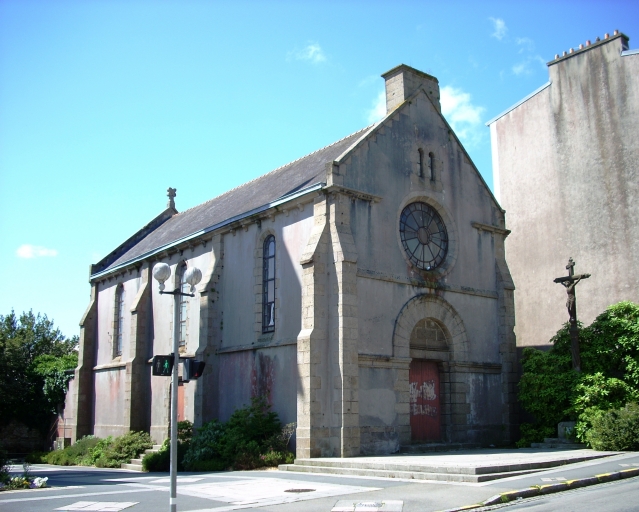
<point x="174" y="397"/>
<point x="192" y="276"/>
<point x="174" y="405"/>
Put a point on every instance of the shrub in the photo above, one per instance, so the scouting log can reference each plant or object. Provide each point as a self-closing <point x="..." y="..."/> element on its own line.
<point x="161" y="460"/>
<point x="530" y="433"/>
<point x="552" y="392"/>
<point x="252" y="438"/>
<point x="72" y="455"/>
<point x="616" y="429"/>
<point x="122" y="450"/>
<point x="37" y="457"/>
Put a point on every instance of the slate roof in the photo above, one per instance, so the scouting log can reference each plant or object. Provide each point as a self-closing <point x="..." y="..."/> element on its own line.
<point x="283" y="181"/>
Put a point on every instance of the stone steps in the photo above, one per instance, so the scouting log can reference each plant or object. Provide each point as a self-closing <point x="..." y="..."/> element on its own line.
<point x="136" y="464"/>
<point x="401" y="473"/>
<point x="408" y="468"/>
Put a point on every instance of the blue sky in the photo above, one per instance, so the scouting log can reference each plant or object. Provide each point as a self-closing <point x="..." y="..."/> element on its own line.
<point x="105" y="104"/>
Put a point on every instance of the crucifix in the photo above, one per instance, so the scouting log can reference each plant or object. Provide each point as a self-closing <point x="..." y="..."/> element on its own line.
<point x="570" y="282"/>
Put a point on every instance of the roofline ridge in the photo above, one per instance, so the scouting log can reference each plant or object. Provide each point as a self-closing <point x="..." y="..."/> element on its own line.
<point x="273" y="170"/>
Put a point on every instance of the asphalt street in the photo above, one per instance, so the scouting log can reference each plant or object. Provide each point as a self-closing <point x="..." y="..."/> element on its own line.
<point x="114" y="490"/>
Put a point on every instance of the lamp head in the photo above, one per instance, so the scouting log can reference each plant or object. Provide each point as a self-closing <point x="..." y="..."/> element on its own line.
<point x="193" y="276"/>
<point x="161" y="272"/>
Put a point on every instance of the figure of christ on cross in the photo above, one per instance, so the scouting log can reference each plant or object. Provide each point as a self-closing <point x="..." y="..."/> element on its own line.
<point x="570" y="282"/>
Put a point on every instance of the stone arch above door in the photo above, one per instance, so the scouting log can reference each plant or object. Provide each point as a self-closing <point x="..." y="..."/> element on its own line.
<point x="429" y="306"/>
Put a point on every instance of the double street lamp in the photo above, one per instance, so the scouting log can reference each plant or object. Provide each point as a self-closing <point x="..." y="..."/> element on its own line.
<point x="192" y="276"/>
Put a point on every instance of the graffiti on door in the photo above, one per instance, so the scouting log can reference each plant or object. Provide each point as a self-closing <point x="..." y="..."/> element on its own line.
<point x="425" y="413"/>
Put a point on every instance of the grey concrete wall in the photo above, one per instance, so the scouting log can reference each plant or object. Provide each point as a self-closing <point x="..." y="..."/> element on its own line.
<point x="566" y="164"/>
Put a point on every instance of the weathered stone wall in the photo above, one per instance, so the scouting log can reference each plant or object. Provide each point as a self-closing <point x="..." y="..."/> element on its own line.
<point x="565" y="166"/>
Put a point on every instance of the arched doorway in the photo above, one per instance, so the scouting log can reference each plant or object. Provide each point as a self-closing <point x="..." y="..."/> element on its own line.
<point x="428" y="338"/>
<point x="428" y="329"/>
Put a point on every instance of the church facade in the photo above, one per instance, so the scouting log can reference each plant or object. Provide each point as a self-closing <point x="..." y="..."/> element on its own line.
<point x="565" y="169"/>
<point x="362" y="289"/>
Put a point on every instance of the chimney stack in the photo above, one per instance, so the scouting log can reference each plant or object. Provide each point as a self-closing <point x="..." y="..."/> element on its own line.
<point x="404" y="81"/>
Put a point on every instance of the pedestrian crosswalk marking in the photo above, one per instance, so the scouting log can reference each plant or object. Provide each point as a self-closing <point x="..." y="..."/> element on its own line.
<point x="99" y="506"/>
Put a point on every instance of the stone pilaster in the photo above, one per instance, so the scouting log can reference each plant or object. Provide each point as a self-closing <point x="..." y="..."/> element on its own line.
<point x="137" y="386"/>
<point x="206" y="396"/>
<point x="507" y="340"/>
<point x="313" y="337"/>
<point x="82" y="401"/>
<point x="345" y="263"/>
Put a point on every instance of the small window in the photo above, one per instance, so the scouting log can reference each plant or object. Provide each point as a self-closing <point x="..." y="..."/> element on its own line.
<point x="431" y="166"/>
<point x="182" y="304"/>
<point x="421" y="162"/>
<point x="118" y="323"/>
<point x="268" y="285"/>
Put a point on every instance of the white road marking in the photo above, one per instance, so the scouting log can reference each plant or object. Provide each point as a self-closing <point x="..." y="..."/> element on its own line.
<point x="368" y="506"/>
<point x="556" y="479"/>
<point x="85" y="495"/>
<point x="99" y="506"/>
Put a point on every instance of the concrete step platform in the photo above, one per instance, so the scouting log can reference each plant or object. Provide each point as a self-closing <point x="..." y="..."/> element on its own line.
<point x="472" y="466"/>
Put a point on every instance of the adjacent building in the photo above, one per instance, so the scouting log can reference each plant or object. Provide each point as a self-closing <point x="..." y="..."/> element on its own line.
<point x="565" y="166"/>
<point x="362" y="288"/>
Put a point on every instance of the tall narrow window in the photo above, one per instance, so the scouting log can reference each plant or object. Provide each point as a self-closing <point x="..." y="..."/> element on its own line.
<point x="182" y="303"/>
<point x="421" y="162"/>
<point x="431" y="166"/>
<point x="118" y="321"/>
<point x="268" y="285"/>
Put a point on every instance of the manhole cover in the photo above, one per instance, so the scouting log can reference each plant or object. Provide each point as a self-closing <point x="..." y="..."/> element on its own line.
<point x="299" y="490"/>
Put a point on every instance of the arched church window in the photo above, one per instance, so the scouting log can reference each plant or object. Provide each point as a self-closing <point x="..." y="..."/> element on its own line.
<point x="423" y="235"/>
<point x="118" y="321"/>
<point x="431" y="166"/>
<point x="268" y="285"/>
<point x="421" y="162"/>
<point x="183" y="303"/>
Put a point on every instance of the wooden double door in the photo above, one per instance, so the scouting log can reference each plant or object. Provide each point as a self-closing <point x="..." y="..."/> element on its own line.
<point x="425" y="401"/>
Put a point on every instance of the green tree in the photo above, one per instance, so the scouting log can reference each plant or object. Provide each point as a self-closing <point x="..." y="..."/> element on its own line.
<point x="552" y="392"/>
<point x="34" y="355"/>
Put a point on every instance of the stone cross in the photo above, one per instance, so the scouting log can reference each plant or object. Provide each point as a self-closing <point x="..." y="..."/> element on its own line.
<point x="171" y="195"/>
<point x="570" y="282"/>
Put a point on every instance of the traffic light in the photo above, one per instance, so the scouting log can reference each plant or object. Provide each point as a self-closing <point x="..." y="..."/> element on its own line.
<point x="192" y="369"/>
<point x="163" y="365"/>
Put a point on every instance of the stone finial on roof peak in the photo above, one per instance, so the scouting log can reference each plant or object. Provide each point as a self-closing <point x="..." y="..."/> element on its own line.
<point x="171" y="193"/>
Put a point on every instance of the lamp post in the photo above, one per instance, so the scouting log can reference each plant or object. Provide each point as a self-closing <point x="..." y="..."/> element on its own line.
<point x="192" y="276"/>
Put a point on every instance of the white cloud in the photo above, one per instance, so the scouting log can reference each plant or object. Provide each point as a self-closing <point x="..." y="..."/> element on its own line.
<point x="526" y="43"/>
<point x="312" y="52"/>
<point x="500" y="28"/>
<point x="525" y="67"/>
<point x="34" y="251"/>
<point x="462" y="115"/>
<point x="378" y="109"/>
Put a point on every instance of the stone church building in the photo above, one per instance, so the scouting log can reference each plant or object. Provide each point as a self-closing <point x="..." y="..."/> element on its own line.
<point x="565" y="166"/>
<point x="362" y="288"/>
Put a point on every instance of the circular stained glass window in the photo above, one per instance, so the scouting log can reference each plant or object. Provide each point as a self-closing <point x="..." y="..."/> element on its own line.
<point x="423" y="235"/>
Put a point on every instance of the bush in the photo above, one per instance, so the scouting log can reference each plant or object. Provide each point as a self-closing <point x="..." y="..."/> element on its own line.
<point x="121" y="450"/>
<point x="552" y="392"/>
<point x="74" y="454"/>
<point x="37" y="457"/>
<point x="252" y="438"/>
<point x="616" y="430"/>
<point x="161" y="460"/>
<point x="103" y="453"/>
